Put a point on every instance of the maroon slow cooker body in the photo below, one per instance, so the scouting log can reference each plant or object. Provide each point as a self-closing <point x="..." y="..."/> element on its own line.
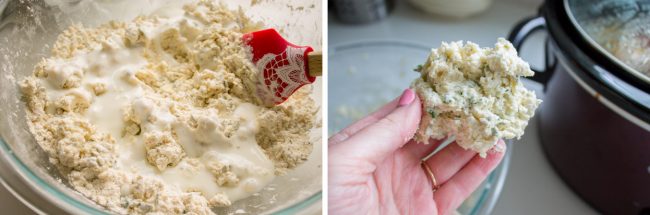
<point x="594" y="135"/>
<point x="601" y="155"/>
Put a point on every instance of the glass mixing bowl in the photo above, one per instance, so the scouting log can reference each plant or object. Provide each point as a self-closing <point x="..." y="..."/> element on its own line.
<point x="27" y="30"/>
<point x="365" y="75"/>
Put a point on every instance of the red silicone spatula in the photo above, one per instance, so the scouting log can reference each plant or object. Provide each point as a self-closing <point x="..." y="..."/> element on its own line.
<point x="283" y="67"/>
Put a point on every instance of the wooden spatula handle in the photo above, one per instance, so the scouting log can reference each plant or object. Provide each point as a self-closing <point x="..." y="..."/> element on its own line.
<point x="315" y="63"/>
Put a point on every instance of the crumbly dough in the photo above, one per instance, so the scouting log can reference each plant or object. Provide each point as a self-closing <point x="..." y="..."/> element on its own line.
<point x="159" y="115"/>
<point x="474" y="94"/>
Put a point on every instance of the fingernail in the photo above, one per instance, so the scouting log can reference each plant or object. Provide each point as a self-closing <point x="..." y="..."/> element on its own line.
<point x="407" y="97"/>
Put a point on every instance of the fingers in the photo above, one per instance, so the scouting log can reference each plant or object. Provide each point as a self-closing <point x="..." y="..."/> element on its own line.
<point x="460" y="186"/>
<point x="448" y="161"/>
<point x="362" y="123"/>
<point x="420" y="150"/>
<point x="374" y="142"/>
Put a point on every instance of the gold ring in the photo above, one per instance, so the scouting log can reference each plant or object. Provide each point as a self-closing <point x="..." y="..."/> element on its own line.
<point x="434" y="183"/>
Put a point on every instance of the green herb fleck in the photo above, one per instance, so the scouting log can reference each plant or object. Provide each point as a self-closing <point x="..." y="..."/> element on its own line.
<point x="432" y="114"/>
<point x="418" y="68"/>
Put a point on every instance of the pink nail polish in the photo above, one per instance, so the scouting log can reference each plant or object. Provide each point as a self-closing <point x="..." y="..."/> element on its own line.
<point x="407" y="97"/>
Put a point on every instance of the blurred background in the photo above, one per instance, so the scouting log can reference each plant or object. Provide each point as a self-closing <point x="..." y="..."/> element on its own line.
<point x="372" y="54"/>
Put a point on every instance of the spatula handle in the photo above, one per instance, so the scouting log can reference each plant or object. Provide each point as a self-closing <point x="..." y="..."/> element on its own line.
<point x="315" y="62"/>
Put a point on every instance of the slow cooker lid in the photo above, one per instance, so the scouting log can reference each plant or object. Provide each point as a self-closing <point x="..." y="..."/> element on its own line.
<point x="620" y="29"/>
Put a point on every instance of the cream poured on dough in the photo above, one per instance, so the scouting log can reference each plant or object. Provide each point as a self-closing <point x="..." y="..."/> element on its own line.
<point x="158" y="114"/>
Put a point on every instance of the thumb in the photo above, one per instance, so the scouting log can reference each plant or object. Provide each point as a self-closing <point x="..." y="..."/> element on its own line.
<point x="378" y="140"/>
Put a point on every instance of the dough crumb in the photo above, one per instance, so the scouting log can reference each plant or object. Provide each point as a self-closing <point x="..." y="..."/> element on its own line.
<point x="223" y="173"/>
<point x="162" y="150"/>
<point x="219" y="200"/>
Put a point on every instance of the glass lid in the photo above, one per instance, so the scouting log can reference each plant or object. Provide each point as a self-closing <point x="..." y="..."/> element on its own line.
<point x="620" y="29"/>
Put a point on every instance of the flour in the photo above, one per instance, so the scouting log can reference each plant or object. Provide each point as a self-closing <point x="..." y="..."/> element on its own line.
<point x="159" y="115"/>
<point x="474" y="94"/>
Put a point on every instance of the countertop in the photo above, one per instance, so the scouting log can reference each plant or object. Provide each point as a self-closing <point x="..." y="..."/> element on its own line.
<point x="531" y="187"/>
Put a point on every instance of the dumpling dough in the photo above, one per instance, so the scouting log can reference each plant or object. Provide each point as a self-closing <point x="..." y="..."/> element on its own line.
<point x="474" y="94"/>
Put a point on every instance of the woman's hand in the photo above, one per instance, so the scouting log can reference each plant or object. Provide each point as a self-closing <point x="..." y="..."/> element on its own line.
<point x="375" y="167"/>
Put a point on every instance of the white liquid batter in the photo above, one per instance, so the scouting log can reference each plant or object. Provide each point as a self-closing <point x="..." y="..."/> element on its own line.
<point x="115" y="67"/>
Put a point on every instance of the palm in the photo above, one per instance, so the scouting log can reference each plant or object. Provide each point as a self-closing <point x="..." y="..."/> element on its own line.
<point x="373" y="170"/>
<point x="402" y="186"/>
<point x="398" y="185"/>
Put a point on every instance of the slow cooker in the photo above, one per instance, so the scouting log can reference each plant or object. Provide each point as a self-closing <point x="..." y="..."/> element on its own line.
<point x="595" y="119"/>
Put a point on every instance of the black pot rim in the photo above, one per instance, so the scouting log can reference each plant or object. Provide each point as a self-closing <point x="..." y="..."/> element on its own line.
<point x="640" y="80"/>
<point x="594" y="68"/>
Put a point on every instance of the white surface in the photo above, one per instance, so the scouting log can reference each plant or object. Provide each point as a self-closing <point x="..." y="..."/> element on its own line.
<point x="532" y="187"/>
